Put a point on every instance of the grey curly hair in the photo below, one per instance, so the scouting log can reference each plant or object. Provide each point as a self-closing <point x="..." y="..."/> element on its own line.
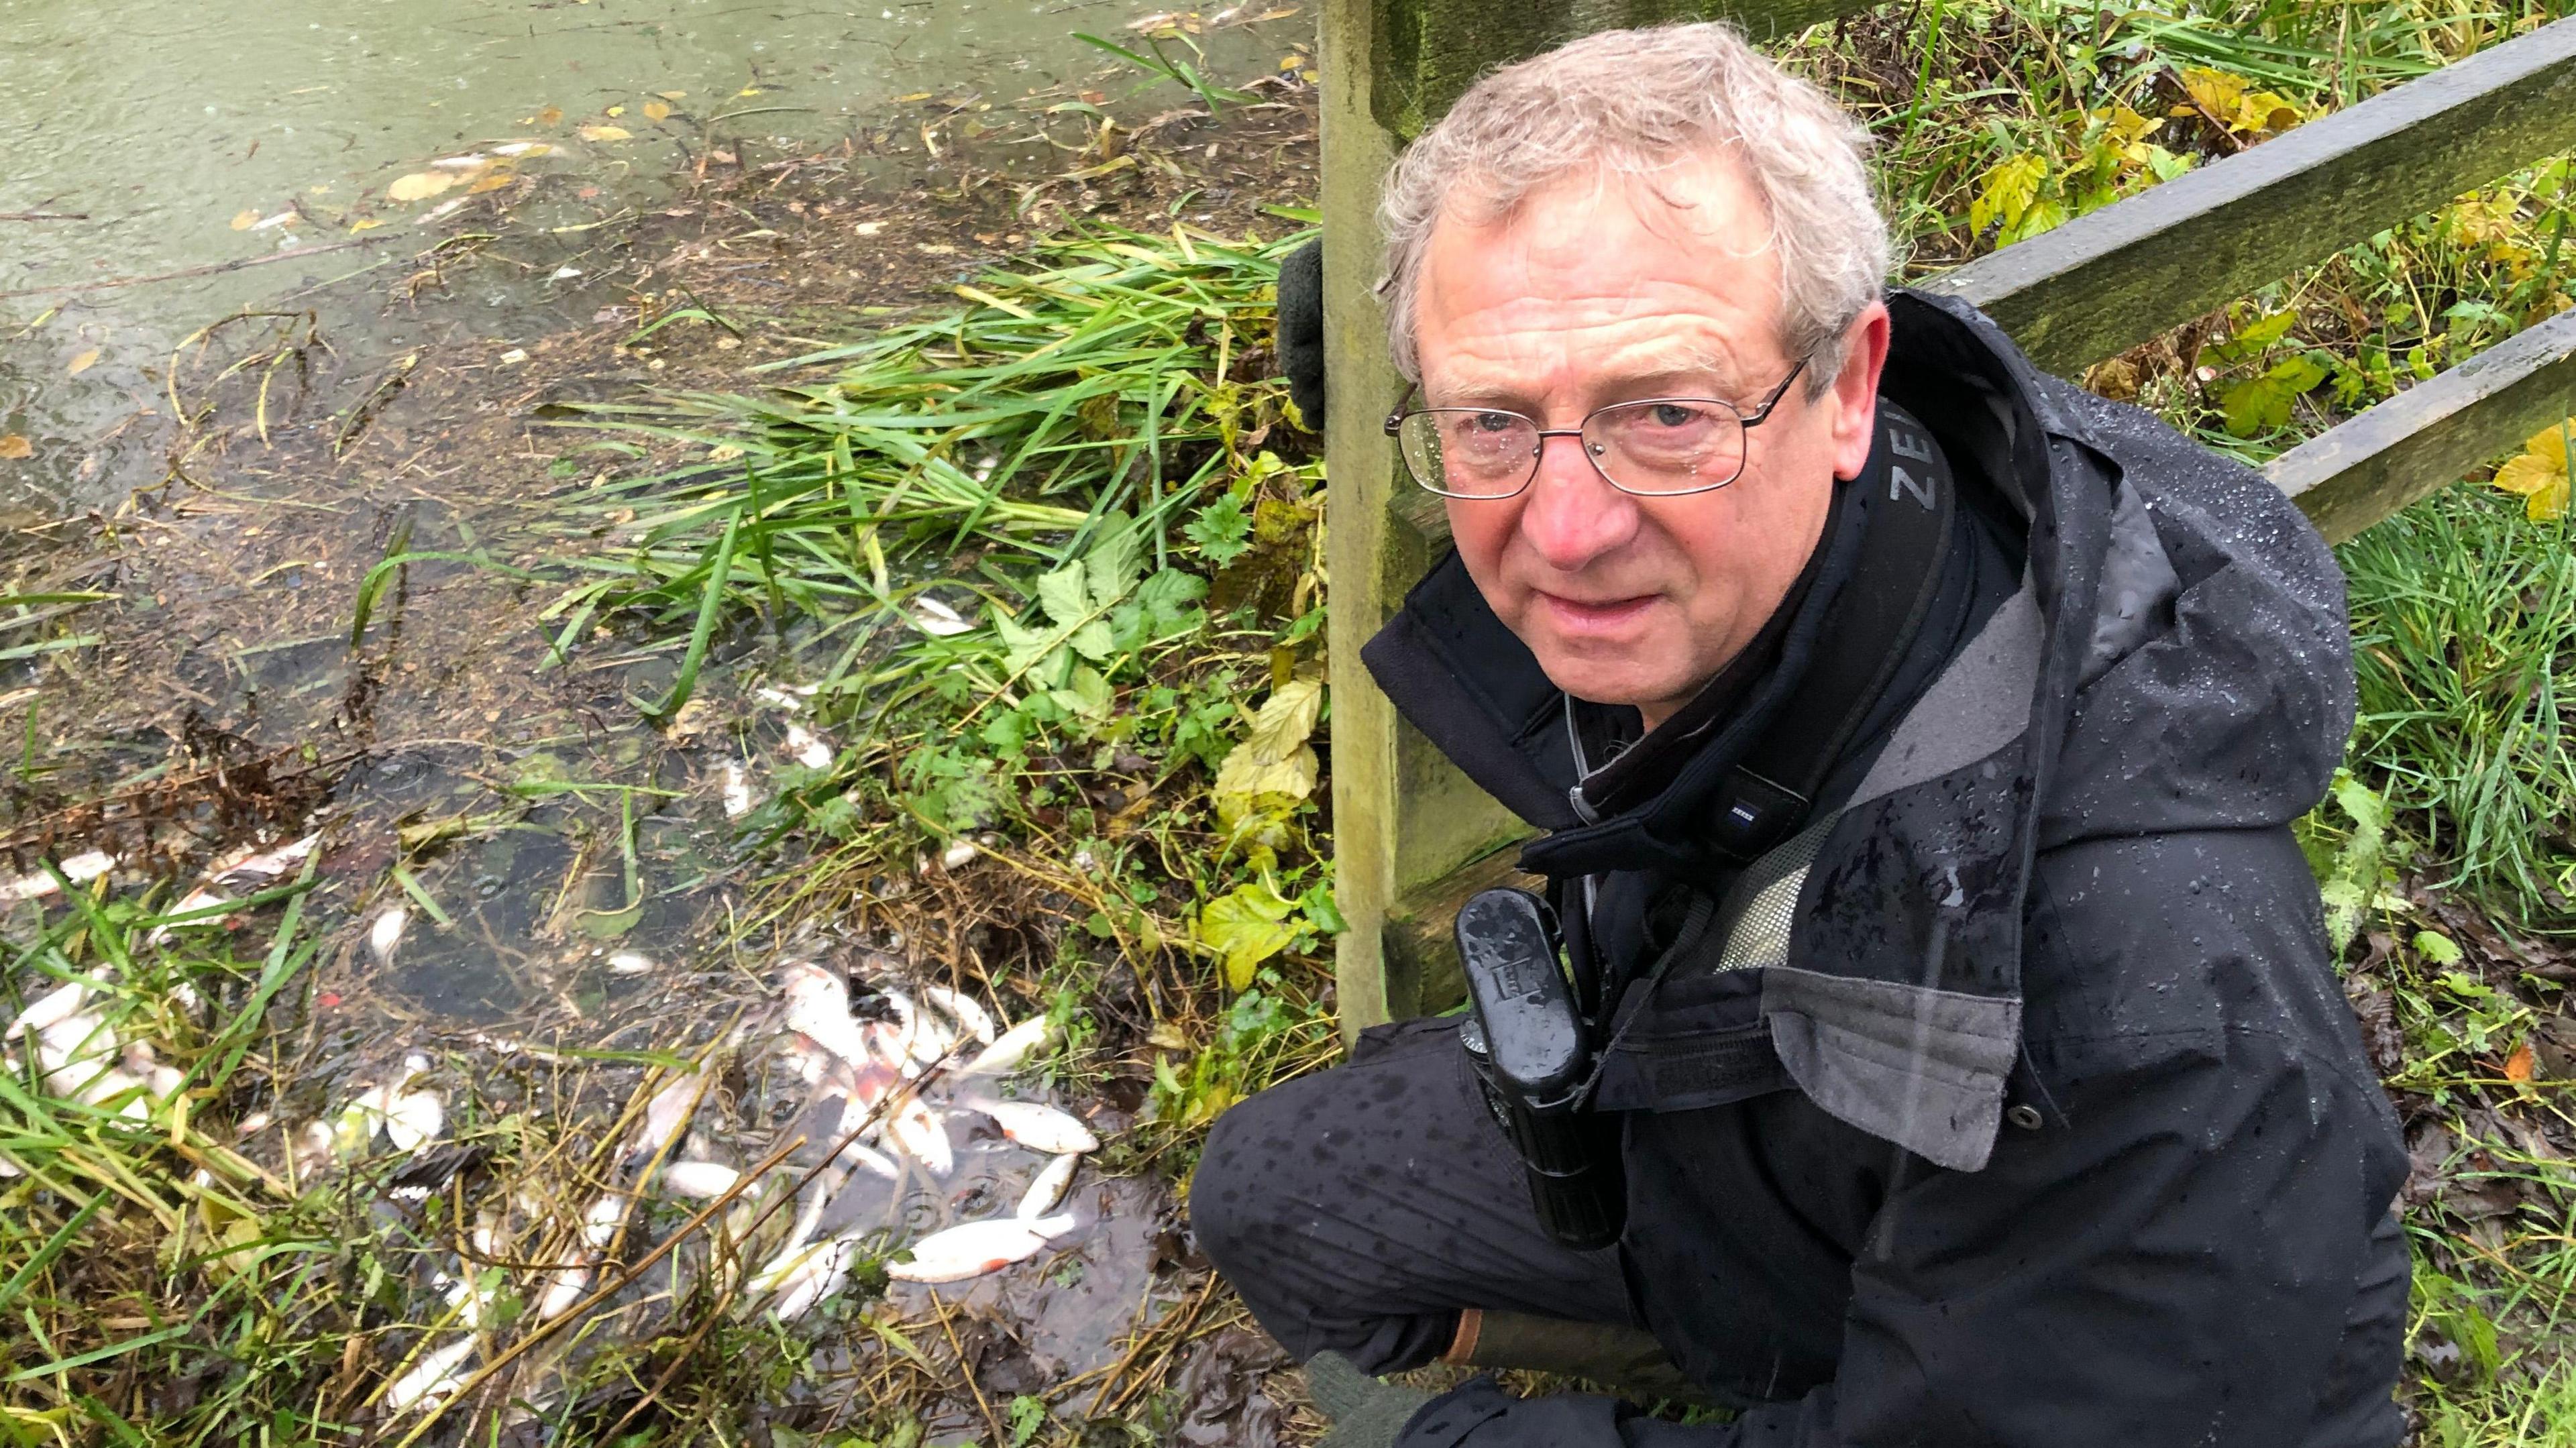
<point x="1631" y="103"/>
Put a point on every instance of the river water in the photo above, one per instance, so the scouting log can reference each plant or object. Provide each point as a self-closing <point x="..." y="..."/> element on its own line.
<point x="149" y="137"/>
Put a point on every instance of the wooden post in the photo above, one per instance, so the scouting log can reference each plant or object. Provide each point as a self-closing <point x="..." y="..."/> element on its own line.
<point x="1407" y="826"/>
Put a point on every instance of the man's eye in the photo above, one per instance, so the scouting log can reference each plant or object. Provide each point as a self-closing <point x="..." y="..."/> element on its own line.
<point x="1676" y="414"/>
<point x="1494" y="422"/>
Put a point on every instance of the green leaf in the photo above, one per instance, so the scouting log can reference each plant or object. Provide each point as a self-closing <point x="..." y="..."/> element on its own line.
<point x="1221" y="530"/>
<point x="1062" y="595"/>
<point x="1116" y="561"/>
<point x="1246" y="926"/>
<point x="2438" y="948"/>
<point x="1096" y="640"/>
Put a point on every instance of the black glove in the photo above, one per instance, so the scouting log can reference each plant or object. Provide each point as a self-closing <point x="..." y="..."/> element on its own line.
<point x="1301" y="330"/>
<point x="1366" y="1413"/>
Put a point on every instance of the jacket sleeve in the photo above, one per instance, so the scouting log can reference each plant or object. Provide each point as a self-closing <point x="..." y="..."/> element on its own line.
<point x="2193" y="1245"/>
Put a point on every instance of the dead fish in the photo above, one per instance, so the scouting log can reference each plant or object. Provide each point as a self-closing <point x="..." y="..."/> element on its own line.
<point x="915" y="1129"/>
<point x="737" y="792"/>
<point x="248" y="865"/>
<point x="816" y="1272"/>
<point x="957" y="856"/>
<point x="1048" y="1187"/>
<point x="699" y="1180"/>
<point x="198" y="899"/>
<point x="48" y="1010"/>
<point x="1014" y="1046"/>
<point x="630" y="962"/>
<point x="968" y="1012"/>
<point x="414" y="1117"/>
<point x="937" y="619"/>
<point x="386" y="933"/>
<point x="818" y="1006"/>
<point x="925" y="1040"/>
<point x="976" y="1248"/>
<point x="435" y="1376"/>
<point x="599" y="1225"/>
<point x="80" y="869"/>
<point x="666" y="1115"/>
<point x="1033" y="1125"/>
<point x="806" y="749"/>
<point x="858" y="1154"/>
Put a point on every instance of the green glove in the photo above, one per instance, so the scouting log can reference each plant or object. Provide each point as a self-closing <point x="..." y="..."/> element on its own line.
<point x="1366" y="1413"/>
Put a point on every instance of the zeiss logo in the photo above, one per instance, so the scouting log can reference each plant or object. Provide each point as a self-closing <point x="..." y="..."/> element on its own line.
<point x="1743" y="814"/>
<point x="1900" y="482"/>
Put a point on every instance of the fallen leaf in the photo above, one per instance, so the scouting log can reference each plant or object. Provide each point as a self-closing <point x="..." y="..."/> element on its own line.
<point x="245" y="221"/>
<point x="420" y="185"/>
<point x="365" y="223"/>
<point x="16" y="448"/>
<point x="867" y="228"/>
<point x="604" y="133"/>
<point x="82" y="363"/>
<point x="2517" y="1067"/>
<point x="749" y="90"/>
<point x="550" y="116"/>
<point x="617" y="110"/>
<point x="657" y="110"/>
<point x="672" y="95"/>
<point x="493" y="181"/>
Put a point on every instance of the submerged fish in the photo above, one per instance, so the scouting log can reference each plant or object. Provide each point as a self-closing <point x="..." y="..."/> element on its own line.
<point x="700" y="1180"/>
<point x="1048" y="1187"/>
<point x="667" y="1114"/>
<point x="818" y="1006"/>
<point x="1039" y="1127"/>
<point x="48" y="1010"/>
<point x="815" y="1273"/>
<point x="976" y="1248"/>
<point x="915" y="1128"/>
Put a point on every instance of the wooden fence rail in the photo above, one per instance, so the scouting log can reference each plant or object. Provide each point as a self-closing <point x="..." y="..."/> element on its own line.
<point x="1413" y="838"/>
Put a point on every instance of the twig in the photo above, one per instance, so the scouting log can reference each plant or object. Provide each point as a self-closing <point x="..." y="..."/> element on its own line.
<point x="1183" y="1322"/>
<point x="196" y="271"/>
<point x="44" y="216"/>
<point x="966" y="1370"/>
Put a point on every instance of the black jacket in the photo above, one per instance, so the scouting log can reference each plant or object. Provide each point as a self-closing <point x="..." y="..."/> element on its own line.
<point x="2022" y="1065"/>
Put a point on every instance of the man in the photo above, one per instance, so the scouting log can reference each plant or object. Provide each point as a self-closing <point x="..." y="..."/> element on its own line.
<point x="1916" y="740"/>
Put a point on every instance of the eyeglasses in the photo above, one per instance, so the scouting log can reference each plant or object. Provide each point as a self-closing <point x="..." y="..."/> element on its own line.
<point x="1656" y="447"/>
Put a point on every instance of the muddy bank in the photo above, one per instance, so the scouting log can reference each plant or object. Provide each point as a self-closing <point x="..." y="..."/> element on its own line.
<point x="583" y="911"/>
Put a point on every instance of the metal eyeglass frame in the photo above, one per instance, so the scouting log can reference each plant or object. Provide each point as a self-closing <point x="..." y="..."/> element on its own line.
<point x="1749" y="420"/>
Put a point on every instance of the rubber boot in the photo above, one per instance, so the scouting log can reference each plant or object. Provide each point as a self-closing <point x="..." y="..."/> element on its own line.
<point x="1625" y="1359"/>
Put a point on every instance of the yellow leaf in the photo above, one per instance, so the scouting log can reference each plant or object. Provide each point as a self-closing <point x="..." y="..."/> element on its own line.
<point x="2548" y="504"/>
<point x="2527" y="475"/>
<point x="82" y="363"/>
<point x="2517" y="1067"/>
<point x="617" y="110"/>
<point x="550" y="116"/>
<point x="492" y="181"/>
<point x="15" y="448"/>
<point x="749" y="90"/>
<point x="2550" y="445"/>
<point x="420" y="185"/>
<point x="2264" y="111"/>
<point x="1273" y="760"/>
<point x="657" y="110"/>
<point x="365" y="223"/>
<point x="1245" y="927"/>
<point x="2216" y="91"/>
<point x="245" y="221"/>
<point x="2125" y="124"/>
<point x="604" y="133"/>
<point x="2009" y="190"/>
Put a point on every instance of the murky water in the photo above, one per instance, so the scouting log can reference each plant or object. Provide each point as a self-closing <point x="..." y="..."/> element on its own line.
<point x="150" y="137"/>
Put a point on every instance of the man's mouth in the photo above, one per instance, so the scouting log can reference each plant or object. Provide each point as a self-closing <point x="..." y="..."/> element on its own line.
<point x="1593" y="616"/>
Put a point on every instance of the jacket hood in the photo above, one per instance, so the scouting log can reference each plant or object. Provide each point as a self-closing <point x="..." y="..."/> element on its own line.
<point x="2175" y="658"/>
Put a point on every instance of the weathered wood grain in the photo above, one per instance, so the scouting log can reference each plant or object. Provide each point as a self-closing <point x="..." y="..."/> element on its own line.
<point x="1425" y="53"/>
<point x="2430" y="434"/>
<point x="2103" y="283"/>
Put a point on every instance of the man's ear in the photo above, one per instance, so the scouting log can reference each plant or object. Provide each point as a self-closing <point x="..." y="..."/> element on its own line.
<point x="1853" y="399"/>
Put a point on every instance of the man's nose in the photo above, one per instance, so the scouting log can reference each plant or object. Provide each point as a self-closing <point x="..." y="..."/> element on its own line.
<point x="1573" y="515"/>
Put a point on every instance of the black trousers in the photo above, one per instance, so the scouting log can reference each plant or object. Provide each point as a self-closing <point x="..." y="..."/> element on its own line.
<point x="1360" y="1208"/>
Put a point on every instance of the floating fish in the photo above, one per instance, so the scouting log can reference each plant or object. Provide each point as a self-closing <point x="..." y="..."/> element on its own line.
<point x="968" y="1012"/>
<point x="1038" y="1127"/>
<point x="854" y="1153"/>
<point x="434" y="1377"/>
<point x="386" y="933"/>
<point x="915" y="1129"/>
<point x="630" y="962"/>
<point x="815" y="1272"/>
<point x="1014" y="1046"/>
<point x="198" y="899"/>
<point x="80" y="869"/>
<point x="924" y="1039"/>
<point x="1048" y="1187"/>
<point x="699" y="1180"/>
<point x="249" y="866"/>
<point x="976" y="1248"/>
